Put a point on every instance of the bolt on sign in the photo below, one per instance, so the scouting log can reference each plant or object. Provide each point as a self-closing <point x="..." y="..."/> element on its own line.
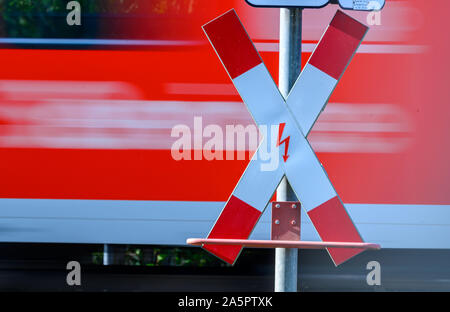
<point x="294" y="116"/>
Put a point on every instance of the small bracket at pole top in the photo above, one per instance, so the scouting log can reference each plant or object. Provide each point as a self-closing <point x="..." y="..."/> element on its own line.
<point x="285" y="220"/>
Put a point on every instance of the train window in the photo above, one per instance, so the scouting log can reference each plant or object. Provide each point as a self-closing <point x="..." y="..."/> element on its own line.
<point x="27" y="20"/>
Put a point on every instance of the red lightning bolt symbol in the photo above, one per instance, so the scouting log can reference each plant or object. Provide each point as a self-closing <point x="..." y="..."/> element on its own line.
<point x="286" y="141"/>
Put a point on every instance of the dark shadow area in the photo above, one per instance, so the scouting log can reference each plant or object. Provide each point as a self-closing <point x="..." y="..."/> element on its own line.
<point x="42" y="267"/>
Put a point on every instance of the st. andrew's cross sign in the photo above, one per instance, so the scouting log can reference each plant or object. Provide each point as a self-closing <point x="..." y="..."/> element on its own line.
<point x="294" y="117"/>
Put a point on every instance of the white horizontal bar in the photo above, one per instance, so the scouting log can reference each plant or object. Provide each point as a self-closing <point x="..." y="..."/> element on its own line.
<point x="261" y="46"/>
<point x="172" y="222"/>
<point x="363" y="48"/>
<point x="120" y="42"/>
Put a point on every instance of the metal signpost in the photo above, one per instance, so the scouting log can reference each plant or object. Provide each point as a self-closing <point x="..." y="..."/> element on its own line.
<point x="290" y="65"/>
<point x="294" y="108"/>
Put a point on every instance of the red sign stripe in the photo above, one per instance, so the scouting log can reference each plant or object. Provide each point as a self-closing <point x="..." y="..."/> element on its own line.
<point x="334" y="225"/>
<point x="228" y="225"/>
<point x="350" y="26"/>
<point x="232" y="44"/>
<point x="338" y="45"/>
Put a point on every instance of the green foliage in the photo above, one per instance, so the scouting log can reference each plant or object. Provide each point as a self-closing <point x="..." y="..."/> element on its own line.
<point x="35" y="18"/>
<point x="97" y="257"/>
<point x="133" y="255"/>
<point x="166" y="256"/>
<point x="47" y="18"/>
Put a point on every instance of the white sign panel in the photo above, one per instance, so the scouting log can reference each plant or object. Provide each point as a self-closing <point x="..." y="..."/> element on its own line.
<point x="359" y="5"/>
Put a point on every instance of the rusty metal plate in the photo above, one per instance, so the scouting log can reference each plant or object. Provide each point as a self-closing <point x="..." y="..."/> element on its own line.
<point x="285" y="221"/>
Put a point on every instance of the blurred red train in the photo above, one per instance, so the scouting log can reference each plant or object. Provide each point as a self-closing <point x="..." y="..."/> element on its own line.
<point x="86" y="120"/>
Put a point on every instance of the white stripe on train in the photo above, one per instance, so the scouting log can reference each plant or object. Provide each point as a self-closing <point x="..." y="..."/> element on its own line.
<point x="370" y="48"/>
<point x="374" y="48"/>
<point x="171" y="222"/>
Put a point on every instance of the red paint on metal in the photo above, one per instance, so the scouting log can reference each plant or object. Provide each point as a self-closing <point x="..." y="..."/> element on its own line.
<point x="232" y="44"/>
<point x="236" y="221"/>
<point x="349" y="25"/>
<point x="281" y="244"/>
<point x="338" y="45"/>
<point x="285" y="141"/>
<point x="333" y="223"/>
<point x="288" y="216"/>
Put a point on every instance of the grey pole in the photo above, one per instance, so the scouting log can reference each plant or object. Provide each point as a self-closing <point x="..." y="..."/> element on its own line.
<point x="107" y="254"/>
<point x="286" y="259"/>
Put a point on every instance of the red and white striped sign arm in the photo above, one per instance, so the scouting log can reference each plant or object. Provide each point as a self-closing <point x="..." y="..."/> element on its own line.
<point x="256" y="187"/>
<point x="324" y="69"/>
<point x="244" y="208"/>
<point x="306" y="100"/>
